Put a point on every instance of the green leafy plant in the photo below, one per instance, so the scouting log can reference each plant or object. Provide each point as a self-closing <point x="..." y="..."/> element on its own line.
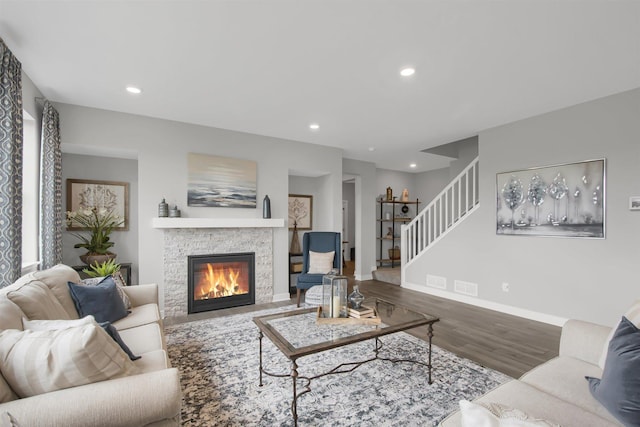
<point x="106" y="268"/>
<point x="100" y="223"/>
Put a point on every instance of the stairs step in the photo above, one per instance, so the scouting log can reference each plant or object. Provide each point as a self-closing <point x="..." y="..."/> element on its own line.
<point x="389" y="275"/>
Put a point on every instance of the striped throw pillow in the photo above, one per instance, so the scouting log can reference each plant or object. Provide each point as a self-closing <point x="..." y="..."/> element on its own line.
<point x="36" y="362"/>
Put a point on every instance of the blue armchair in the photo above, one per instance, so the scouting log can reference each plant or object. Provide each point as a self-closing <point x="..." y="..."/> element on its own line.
<point x="317" y="241"/>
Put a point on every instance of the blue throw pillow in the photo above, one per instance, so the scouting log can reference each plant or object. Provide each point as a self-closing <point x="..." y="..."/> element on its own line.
<point x="113" y="333"/>
<point x="101" y="301"/>
<point x="619" y="388"/>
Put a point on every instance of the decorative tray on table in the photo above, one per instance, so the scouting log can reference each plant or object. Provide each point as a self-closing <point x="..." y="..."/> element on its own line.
<point x="362" y="316"/>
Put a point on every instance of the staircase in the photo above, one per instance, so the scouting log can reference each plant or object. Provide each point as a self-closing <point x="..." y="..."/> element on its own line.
<point x="446" y="211"/>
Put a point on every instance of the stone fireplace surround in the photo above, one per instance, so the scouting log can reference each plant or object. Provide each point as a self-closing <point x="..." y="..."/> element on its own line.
<point x="201" y="236"/>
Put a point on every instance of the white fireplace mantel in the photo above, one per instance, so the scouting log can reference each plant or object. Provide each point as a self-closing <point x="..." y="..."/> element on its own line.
<point x="217" y="223"/>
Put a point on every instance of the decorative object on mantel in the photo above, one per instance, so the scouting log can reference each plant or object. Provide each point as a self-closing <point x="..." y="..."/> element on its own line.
<point x="174" y="212"/>
<point x="405" y="195"/>
<point x="266" y="207"/>
<point x="566" y="214"/>
<point x="225" y="182"/>
<point x="163" y="209"/>
<point x="100" y="223"/>
<point x="300" y="208"/>
<point x="634" y="203"/>
<point x="389" y="194"/>
<point x="295" y="241"/>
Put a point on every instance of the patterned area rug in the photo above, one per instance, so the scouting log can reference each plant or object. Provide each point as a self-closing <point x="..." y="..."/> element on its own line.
<point x="218" y="362"/>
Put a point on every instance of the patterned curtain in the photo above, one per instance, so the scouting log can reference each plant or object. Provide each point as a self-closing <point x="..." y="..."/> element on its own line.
<point x="50" y="189"/>
<point x="10" y="166"/>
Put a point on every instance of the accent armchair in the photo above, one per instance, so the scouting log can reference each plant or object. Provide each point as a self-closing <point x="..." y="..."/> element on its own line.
<point x="321" y="242"/>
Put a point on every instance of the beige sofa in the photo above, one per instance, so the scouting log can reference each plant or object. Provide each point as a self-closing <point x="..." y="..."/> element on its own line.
<point x="557" y="391"/>
<point x="147" y="394"/>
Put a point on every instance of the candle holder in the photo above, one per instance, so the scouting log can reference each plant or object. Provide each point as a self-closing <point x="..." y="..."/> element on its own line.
<point x="334" y="295"/>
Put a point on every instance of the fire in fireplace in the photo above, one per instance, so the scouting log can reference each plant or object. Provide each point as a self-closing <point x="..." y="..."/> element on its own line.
<point x="221" y="281"/>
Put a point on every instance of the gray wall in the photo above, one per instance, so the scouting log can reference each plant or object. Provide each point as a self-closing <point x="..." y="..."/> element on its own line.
<point x="398" y="181"/>
<point x="429" y="184"/>
<point x="349" y="194"/>
<point x="161" y="148"/>
<point x="311" y="186"/>
<point x="591" y="279"/>
<point x="76" y="166"/>
<point x="366" y="190"/>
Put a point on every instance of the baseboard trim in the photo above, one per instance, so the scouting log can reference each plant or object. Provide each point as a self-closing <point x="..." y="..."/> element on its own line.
<point x="490" y="305"/>
<point x="281" y="297"/>
<point x="361" y="277"/>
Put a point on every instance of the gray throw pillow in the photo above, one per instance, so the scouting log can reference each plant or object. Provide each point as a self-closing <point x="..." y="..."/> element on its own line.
<point x="619" y="388"/>
<point x="101" y="301"/>
<point x="113" y="333"/>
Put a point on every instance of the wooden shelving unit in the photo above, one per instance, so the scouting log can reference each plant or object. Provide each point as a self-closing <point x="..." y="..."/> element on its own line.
<point x="392" y="226"/>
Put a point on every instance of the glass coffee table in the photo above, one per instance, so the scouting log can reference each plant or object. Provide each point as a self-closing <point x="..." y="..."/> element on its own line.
<point x="296" y="334"/>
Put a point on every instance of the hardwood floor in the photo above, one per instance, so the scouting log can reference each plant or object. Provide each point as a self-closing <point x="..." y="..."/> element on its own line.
<point x="499" y="341"/>
<point x="506" y="343"/>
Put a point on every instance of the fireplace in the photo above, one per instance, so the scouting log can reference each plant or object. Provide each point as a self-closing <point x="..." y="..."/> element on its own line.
<point x="221" y="281"/>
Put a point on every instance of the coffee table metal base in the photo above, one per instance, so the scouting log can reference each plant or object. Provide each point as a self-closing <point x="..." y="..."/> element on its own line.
<point x="340" y="369"/>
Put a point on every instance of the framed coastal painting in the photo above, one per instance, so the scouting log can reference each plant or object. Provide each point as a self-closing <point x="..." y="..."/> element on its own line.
<point x="223" y="182"/>
<point x="88" y="194"/>
<point x="566" y="200"/>
<point x="300" y="211"/>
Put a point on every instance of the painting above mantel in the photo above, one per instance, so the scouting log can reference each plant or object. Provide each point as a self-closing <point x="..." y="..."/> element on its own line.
<point x="224" y="182"/>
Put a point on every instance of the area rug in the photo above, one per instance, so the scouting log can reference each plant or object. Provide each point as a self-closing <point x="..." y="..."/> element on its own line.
<point x="218" y="361"/>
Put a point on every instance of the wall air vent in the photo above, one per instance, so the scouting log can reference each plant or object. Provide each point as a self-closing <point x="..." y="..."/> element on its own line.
<point x="436" y="281"/>
<point x="466" y="288"/>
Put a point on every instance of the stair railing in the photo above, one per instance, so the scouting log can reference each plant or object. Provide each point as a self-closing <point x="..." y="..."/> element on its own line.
<point x="442" y="214"/>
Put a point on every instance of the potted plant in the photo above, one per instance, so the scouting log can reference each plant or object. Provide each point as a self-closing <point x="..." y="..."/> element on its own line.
<point x="100" y="223"/>
<point x="104" y="269"/>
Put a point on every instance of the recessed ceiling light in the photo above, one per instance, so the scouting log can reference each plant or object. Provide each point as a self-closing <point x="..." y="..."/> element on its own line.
<point x="413" y="166"/>
<point x="372" y="148"/>
<point x="408" y="71"/>
<point x="314" y="126"/>
<point x="133" y="89"/>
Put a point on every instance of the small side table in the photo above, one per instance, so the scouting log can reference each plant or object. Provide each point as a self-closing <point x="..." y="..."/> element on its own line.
<point x="125" y="269"/>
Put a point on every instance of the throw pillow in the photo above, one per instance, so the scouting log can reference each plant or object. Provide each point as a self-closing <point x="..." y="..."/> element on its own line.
<point x="113" y="333"/>
<point x="320" y="262"/>
<point x="619" y="389"/>
<point x="496" y="415"/>
<point x="633" y="314"/>
<point x="10" y="315"/>
<point x="36" y="362"/>
<point x="101" y="301"/>
<point x="56" y="279"/>
<point x="54" y="325"/>
<point x="119" y="281"/>
<point x="37" y="301"/>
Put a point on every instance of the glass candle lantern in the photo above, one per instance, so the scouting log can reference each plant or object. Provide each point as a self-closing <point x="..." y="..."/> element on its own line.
<point x="334" y="295"/>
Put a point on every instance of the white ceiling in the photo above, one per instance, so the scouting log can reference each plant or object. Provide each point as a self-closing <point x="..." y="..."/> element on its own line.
<point x="271" y="67"/>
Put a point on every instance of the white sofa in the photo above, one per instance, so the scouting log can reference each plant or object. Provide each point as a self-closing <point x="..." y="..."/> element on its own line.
<point x="147" y="395"/>
<point x="557" y="390"/>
